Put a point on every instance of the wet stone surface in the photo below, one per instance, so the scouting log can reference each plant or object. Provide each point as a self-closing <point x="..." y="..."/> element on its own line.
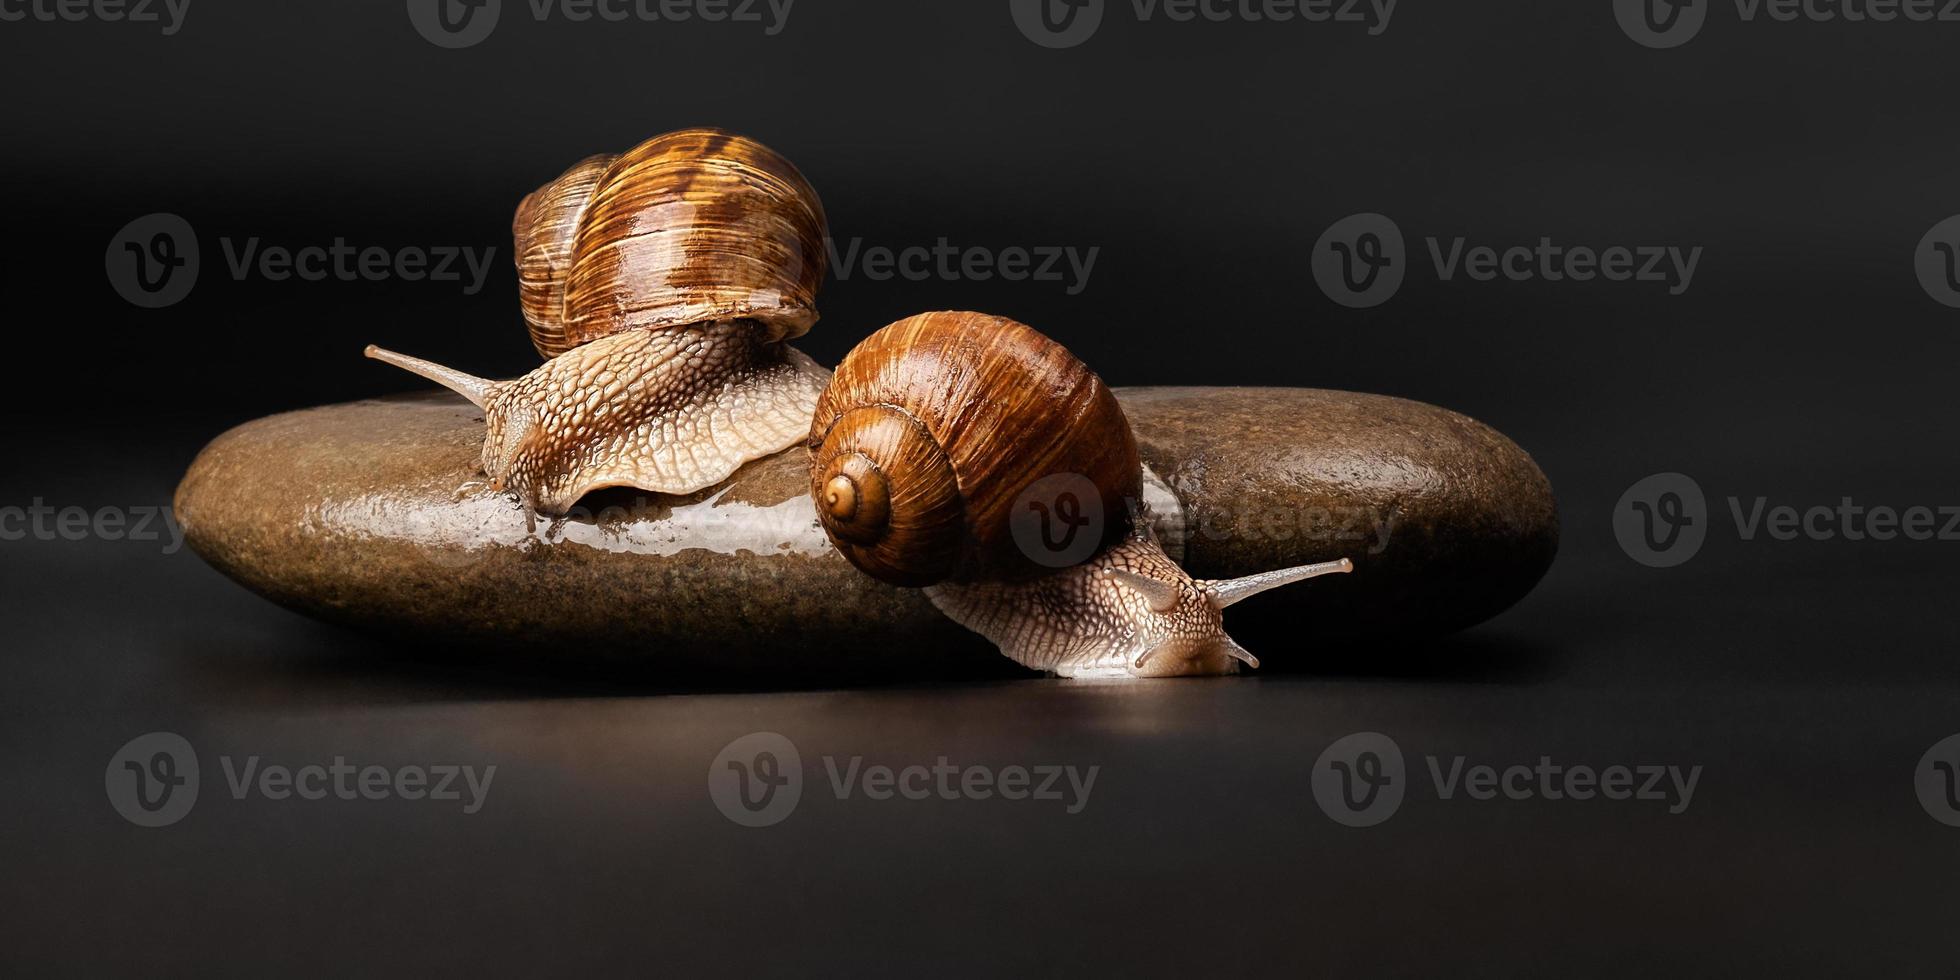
<point x="374" y="514"/>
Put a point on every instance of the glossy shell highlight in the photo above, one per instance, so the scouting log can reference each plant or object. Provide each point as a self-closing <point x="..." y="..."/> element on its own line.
<point x="934" y="429"/>
<point x="688" y="227"/>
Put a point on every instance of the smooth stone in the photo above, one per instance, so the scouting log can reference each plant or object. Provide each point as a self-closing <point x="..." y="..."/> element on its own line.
<point x="374" y="514"/>
<point x="1447" y="521"/>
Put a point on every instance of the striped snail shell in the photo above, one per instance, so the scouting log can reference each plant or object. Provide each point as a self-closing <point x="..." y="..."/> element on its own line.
<point x="948" y="446"/>
<point x="933" y="428"/>
<point x="688" y="227"/>
<point x="660" y="285"/>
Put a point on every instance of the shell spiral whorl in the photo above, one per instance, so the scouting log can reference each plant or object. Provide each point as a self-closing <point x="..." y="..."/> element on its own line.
<point x="933" y="427"/>
<point x="886" y="490"/>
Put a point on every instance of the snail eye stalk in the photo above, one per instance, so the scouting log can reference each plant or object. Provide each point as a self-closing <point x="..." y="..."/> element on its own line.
<point x="1225" y="592"/>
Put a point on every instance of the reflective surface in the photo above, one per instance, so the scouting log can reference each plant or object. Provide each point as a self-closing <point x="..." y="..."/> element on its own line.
<point x="1201" y="843"/>
<point x="1203" y="160"/>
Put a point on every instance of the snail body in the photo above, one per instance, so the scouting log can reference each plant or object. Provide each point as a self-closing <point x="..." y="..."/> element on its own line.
<point x="672" y="411"/>
<point x="946" y="452"/>
<point x="1129" y="612"/>
<point x="661" y="286"/>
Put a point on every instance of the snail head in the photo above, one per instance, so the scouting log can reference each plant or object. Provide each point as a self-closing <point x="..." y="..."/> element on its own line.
<point x="1179" y="621"/>
<point x="1129" y="612"/>
<point x="510" y="423"/>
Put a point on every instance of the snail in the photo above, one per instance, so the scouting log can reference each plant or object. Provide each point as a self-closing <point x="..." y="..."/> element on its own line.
<point x="661" y="286"/>
<point x="978" y="459"/>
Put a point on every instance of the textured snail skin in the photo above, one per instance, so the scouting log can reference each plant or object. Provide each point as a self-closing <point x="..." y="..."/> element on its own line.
<point x="659" y="284"/>
<point x="1129" y="612"/>
<point x="936" y="428"/>
<point x="679" y="410"/>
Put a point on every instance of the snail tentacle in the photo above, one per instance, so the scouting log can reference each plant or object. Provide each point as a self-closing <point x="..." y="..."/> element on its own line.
<point x="1225" y="592"/>
<point x="477" y="390"/>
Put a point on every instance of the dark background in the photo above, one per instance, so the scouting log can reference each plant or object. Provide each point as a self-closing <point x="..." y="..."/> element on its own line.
<point x="1805" y="364"/>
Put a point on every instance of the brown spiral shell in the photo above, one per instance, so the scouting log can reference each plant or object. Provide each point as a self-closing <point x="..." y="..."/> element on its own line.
<point x="932" y="429"/>
<point x="688" y="227"/>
